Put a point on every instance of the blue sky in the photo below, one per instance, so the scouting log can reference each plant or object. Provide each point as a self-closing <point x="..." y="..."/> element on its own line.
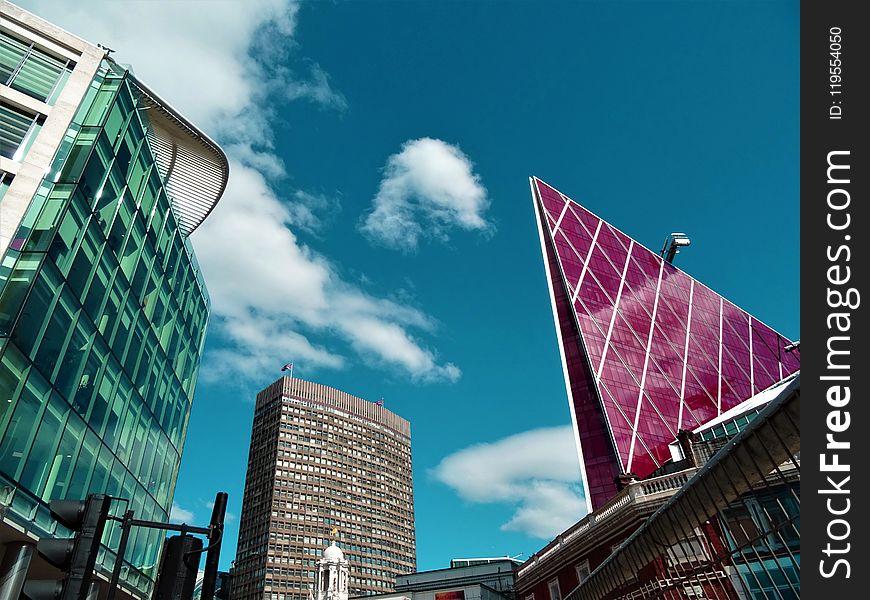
<point x="378" y="229"/>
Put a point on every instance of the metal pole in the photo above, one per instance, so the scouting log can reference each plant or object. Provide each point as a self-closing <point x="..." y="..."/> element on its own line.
<point x="214" y="548"/>
<point x="126" y="524"/>
<point x="93" y="591"/>
<point x="13" y="570"/>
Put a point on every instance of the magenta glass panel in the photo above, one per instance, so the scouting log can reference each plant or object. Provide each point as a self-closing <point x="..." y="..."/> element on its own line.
<point x="585" y="217"/>
<point x="595" y="301"/>
<point x="601" y="460"/>
<point x="637" y="329"/>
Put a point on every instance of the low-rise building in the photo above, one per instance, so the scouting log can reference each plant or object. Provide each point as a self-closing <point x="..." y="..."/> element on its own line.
<point x="494" y="579"/>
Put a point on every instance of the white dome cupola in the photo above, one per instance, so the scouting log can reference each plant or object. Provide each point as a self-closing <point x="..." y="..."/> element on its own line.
<point x="332" y="575"/>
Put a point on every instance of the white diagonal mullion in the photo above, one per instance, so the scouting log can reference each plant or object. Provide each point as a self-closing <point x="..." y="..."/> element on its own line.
<point x="779" y="355"/>
<point x="645" y="365"/>
<point x="686" y="357"/>
<point x="719" y="394"/>
<point x="751" y="361"/>
<point x="615" y="312"/>
<point x="586" y="263"/>
<point x="561" y="216"/>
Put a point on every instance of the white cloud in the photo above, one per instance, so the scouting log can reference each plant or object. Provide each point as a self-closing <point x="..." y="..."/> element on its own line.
<point x="537" y="471"/>
<point x="228" y="516"/>
<point x="311" y="212"/>
<point x="272" y="294"/>
<point x="428" y="188"/>
<point x="180" y="515"/>
<point x="267" y="287"/>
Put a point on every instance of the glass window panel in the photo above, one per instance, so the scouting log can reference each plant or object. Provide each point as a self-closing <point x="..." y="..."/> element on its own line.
<point x="102" y="102"/>
<point x="78" y="156"/>
<point x="157" y="466"/>
<point x="15" y="127"/>
<point x="143" y="372"/>
<point x="172" y="261"/>
<point x="149" y="195"/>
<point x="13" y="371"/>
<point x="139" y="441"/>
<point x="36" y="310"/>
<point x="116" y="479"/>
<point x="122" y="331"/>
<point x="41" y="457"/>
<point x="150" y="450"/>
<point x="114" y="123"/>
<point x="15" y="289"/>
<point x="94" y="175"/>
<point x="70" y="231"/>
<point x="88" y="390"/>
<point x="43" y="229"/>
<point x="136" y="345"/>
<point x="62" y="465"/>
<point x="5" y="181"/>
<point x="12" y="53"/>
<point x="85" y="260"/>
<point x="155" y="227"/>
<point x="109" y="316"/>
<point x="163" y="480"/>
<point x="140" y="277"/>
<point x="38" y="75"/>
<point x="103" y="468"/>
<point x="102" y="278"/>
<point x="121" y="227"/>
<point x="59" y="328"/>
<point x="85" y="385"/>
<point x="22" y="426"/>
<point x="69" y="375"/>
<point x="107" y="201"/>
<point x="124" y="154"/>
<point x="128" y="428"/>
<point x="114" y="421"/>
<point x="58" y="87"/>
<point x="84" y="466"/>
<point x="107" y="397"/>
<point x="149" y="299"/>
<point x="119" y="115"/>
<point x="132" y="249"/>
<point x="139" y="171"/>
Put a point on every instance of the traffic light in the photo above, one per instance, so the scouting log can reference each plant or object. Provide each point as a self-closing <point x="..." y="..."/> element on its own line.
<point x="75" y="556"/>
<point x="178" y="568"/>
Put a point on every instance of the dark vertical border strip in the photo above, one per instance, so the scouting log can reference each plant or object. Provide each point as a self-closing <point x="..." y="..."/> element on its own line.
<point x="835" y="229"/>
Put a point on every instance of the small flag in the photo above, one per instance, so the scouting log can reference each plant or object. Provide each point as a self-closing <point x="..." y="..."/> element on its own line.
<point x="288" y="367"/>
<point x="333" y="531"/>
<point x="380" y="402"/>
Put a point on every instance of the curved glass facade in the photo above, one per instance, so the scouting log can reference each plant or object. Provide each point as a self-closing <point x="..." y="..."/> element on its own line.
<point x="102" y="321"/>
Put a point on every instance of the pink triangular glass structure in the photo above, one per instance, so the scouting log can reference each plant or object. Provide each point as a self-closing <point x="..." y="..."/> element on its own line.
<point x="647" y="350"/>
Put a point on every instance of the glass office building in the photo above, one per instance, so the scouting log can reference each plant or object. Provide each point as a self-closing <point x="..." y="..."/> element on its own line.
<point x="103" y="309"/>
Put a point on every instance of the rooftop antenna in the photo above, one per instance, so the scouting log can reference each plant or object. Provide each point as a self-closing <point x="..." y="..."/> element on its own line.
<point x="672" y="246"/>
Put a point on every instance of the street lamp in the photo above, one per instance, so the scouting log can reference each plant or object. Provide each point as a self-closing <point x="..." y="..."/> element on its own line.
<point x="672" y="246"/>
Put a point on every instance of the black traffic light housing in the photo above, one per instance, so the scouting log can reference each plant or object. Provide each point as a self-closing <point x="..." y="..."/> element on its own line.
<point x="75" y="556"/>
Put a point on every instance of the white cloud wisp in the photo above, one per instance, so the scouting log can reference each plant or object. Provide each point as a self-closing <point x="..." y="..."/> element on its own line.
<point x="180" y="515"/>
<point x="537" y="471"/>
<point x="428" y="188"/>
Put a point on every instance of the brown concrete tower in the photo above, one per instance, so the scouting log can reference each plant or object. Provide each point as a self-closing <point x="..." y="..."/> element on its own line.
<point x="324" y="465"/>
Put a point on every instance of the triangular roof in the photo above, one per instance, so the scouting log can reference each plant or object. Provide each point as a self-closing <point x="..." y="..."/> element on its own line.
<point x="647" y="349"/>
